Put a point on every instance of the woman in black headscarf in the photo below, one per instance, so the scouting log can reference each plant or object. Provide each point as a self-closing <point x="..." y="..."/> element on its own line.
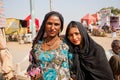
<point x="89" y="61"/>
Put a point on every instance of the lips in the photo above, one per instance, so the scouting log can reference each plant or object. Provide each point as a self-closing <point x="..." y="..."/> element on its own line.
<point x="75" y="41"/>
<point x="51" y="32"/>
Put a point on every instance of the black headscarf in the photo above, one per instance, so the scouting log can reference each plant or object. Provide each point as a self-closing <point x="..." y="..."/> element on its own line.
<point x="41" y="32"/>
<point x="89" y="62"/>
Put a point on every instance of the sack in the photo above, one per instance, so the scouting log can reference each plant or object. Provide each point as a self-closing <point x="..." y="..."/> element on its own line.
<point x="34" y="72"/>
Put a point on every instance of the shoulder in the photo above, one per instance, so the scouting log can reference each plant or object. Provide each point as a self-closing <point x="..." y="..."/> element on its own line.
<point x="99" y="49"/>
<point x="37" y="45"/>
<point x="64" y="44"/>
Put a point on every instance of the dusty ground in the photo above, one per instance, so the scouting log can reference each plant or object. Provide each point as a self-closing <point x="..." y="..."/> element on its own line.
<point x="21" y="51"/>
<point x="105" y="42"/>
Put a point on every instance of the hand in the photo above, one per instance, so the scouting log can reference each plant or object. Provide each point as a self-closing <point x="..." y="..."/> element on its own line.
<point x="36" y="77"/>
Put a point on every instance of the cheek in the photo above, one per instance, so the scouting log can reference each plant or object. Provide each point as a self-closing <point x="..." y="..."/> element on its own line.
<point x="58" y="29"/>
<point x="119" y="50"/>
<point x="80" y="39"/>
<point x="70" y="39"/>
<point x="47" y="31"/>
<point x="47" y="28"/>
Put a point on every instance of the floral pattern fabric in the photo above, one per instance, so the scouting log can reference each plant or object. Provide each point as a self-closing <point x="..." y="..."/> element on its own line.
<point x="54" y="63"/>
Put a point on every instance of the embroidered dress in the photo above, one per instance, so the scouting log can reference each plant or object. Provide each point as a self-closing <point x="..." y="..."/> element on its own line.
<point x="54" y="63"/>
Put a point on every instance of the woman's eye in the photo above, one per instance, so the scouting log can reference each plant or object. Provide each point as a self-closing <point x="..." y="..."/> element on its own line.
<point x="77" y="33"/>
<point x="56" y="24"/>
<point x="49" y="23"/>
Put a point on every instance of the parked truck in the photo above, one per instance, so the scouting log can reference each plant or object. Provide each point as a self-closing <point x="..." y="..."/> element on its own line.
<point x="14" y="29"/>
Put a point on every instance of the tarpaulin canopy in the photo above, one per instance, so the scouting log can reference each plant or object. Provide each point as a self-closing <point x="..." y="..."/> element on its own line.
<point x="89" y="19"/>
<point x="96" y="16"/>
<point x="28" y="18"/>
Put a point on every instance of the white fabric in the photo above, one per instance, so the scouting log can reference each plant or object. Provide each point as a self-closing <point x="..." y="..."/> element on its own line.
<point x="109" y="54"/>
<point x="114" y="34"/>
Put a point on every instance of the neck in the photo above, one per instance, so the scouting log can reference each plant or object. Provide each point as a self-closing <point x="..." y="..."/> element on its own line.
<point x="51" y="43"/>
<point x="49" y="39"/>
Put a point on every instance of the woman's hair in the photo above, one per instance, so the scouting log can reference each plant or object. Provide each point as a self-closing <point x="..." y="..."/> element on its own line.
<point x="41" y="32"/>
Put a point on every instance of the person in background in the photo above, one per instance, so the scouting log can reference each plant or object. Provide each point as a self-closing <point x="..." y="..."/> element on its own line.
<point x="113" y="32"/>
<point x="90" y="28"/>
<point x="6" y="62"/>
<point x="113" y="56"/>
<point x="106" y="28"/>
<point x="89" y="60"/>
<point x="49" y="51"/>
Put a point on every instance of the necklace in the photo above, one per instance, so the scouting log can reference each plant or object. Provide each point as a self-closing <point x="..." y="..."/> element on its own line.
<point x="47" y="48"/>
<point x="51" y="45"/>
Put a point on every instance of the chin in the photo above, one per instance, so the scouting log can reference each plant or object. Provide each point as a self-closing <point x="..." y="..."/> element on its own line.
<point x="76" y="44"/>
<point x="52" y="35"/>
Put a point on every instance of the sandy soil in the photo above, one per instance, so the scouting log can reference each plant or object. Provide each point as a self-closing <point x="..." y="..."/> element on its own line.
<point x="105" y="42"/>
<point x="19" y="51"/>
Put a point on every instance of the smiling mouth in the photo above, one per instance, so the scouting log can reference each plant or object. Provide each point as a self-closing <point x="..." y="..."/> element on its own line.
<point x="51" y="32"/>
<point x="75" y="41"/>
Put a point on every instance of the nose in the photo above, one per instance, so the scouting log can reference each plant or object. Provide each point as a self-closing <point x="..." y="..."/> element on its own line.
<point x="74" y="37"/>
<point x="52" y="26"/>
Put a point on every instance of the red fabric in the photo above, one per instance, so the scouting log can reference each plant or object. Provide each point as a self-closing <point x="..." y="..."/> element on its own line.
<point x="88" y="18"/>
<point x="96" y="16"/>
<point x="28" y="18"/>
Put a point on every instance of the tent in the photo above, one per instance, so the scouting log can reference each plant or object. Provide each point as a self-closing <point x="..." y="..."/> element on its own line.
<point x="96" y="16"/>
<point x="89" y="19"/>
<point x="28" y="18"/>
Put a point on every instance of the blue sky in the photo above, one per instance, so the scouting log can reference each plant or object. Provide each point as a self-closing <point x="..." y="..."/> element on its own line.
<point x="70" y="9"/>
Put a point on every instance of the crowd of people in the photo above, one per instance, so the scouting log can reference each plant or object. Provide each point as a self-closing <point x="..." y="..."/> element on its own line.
<point x="75" y="56"/>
